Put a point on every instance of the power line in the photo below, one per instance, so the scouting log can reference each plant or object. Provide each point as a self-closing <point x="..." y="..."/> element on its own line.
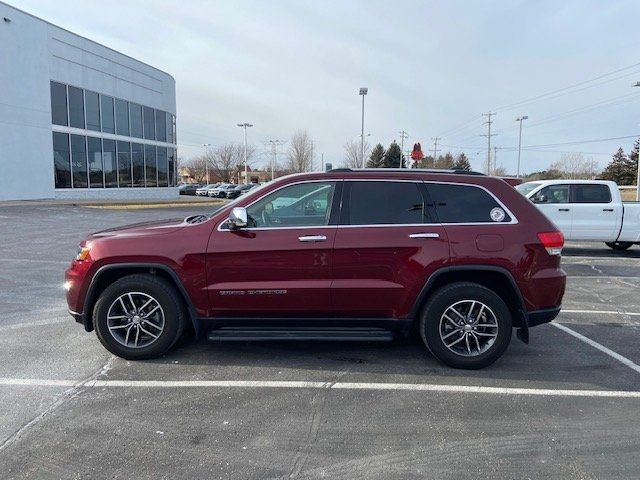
<point x="569" y="87"/>
<point x="583" y="141"/>
<point x="403" y="135"/>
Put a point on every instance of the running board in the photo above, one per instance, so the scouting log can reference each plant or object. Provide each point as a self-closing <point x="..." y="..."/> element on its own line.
<point x="250" y="334"/>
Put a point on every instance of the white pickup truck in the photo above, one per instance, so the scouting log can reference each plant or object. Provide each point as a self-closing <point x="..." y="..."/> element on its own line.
<point x="587" y="210"/>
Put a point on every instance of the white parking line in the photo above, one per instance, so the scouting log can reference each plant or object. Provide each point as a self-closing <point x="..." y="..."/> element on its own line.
<point x="602" y="348"/>
<point x="549" y="392"/>
<point x="606" y="312"/>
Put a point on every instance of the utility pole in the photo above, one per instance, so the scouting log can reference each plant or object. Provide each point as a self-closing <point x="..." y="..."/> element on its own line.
<point x="274" y="151"/>
<point x="489" y="135"/>
<point x="520" y="119"/>
<point x="363" y="92"/>
<point x="495" y="158"/>
<point x="435" y="149"/>
<point x="246" y="170"/>
<point x="403" y="135"/>
<point x="206" y="161"/>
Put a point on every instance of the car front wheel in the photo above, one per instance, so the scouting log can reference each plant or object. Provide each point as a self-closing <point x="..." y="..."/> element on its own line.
<point x="466" y="325"/>
<point x="139" y="317"/>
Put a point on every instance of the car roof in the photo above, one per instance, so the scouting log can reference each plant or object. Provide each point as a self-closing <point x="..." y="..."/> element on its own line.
<point x="568" y="180"/>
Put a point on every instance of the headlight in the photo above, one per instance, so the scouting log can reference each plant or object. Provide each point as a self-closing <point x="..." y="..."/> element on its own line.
<point x="83" y="252"/>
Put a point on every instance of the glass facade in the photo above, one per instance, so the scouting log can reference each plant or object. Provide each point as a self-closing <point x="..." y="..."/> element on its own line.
<point x="91" y="161"/>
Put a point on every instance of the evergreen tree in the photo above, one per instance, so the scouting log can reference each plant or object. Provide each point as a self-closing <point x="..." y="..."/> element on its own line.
<point x="376" y="159"/>
<point x="462" y="162"/>
<point x="393" y="156"/>
<point x="623" y="169"/>
<point x="445" y="162"/>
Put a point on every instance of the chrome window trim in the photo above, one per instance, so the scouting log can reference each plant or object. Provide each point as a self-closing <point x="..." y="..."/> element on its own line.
<point x="514" y="220"/>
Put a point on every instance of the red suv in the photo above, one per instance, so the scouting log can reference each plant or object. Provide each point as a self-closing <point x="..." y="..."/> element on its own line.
<point x="342" y="255"/>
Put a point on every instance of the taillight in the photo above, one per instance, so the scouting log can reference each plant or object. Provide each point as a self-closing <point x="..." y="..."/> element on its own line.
<point x="552" y="241"/>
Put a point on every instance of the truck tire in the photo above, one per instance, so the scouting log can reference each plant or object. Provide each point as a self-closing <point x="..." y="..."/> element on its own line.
<point x="466" y="325"/>
<point x="619" y="245"/>
<point x="139" y="317"/>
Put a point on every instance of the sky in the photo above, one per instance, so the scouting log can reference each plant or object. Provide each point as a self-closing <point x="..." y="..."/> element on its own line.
<point x="432" y="68"/>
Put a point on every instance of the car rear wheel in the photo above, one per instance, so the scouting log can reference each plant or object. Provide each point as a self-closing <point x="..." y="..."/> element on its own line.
<point x="619" y="245"/>
<point x="466" y="325"/>
<point x="139" y="317"/>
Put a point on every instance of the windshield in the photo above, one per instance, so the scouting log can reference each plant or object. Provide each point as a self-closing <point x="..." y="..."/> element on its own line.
<point x="526" y="188"/>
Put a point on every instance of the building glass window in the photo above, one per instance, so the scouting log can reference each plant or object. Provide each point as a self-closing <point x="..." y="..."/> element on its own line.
<point x="124" y="164"/>
<point x="169" y="128"/>
<point x="92" y="107"/>
<point x="79" y="161"/>
<point x="161" y="126"/>
<point x="135" y="111"/>
<point x="137" y="162"/>
<point x="149" y="123"/>
<point x="122" y="117"/>
<point x="110" y="163"/>
<point x="94" y="154"/>
<point x="59" y="104"/>
<point x="162" y="167"/>
<point x="151" y="177"/>
<point x="61" y="165"/>
<point x="172" y="166"/>
<point x="108" y="124"/>
<point x="76" y="107"/>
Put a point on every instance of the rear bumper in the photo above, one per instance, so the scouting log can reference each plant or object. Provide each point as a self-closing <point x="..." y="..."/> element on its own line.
<point x="538" y="317"/>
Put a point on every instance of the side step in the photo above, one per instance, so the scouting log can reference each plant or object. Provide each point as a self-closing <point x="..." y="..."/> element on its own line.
<point x="250" y="334"/>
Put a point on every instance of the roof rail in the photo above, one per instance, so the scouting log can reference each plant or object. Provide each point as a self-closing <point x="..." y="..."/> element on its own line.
<point x="454" y="171"/>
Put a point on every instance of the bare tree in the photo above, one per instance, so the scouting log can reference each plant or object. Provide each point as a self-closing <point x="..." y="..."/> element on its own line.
<point x="300" y="154"/>
<point x="353" y="154"/>
<point x="195" y="168"/>
<point x="225" y="161"/>
<point x="575" y="166"/>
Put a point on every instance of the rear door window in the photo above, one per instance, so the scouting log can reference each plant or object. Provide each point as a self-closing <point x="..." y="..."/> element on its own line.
<point x="590" y="194"/>
<point x="384" y="203"/>
<point x="465" y="204"/>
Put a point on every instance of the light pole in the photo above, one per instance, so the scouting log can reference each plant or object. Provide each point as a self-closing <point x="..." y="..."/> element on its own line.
<point x="246" y="170"/>
<point x="637" y="84"/>
<point x="206" y="160"/>
<point x="363" y="92"/>
<point x="520" y="119"/>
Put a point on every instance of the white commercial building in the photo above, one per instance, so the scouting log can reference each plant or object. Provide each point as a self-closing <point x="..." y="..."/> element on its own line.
<point x="80" y="120"/>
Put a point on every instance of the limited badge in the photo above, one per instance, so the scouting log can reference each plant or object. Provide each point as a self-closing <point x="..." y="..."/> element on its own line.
<point x="497" y="214"/>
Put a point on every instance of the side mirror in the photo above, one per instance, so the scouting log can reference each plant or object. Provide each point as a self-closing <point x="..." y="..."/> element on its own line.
<point x="238" y="218"/>
<point x="539" y="198"/>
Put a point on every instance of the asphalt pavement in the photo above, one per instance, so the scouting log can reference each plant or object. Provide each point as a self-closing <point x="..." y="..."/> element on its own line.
<point x="566" y="406"/>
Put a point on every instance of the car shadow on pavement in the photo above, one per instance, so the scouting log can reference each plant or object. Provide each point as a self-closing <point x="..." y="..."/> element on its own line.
<point x="553" y="359"/>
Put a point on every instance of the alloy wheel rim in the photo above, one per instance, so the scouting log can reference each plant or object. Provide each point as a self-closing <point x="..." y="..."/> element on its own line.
<point x="135" y="319"/>
<point x="468" y="328"/>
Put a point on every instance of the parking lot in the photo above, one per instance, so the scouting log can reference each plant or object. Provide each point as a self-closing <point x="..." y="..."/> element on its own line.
<point x="565" y="406"/>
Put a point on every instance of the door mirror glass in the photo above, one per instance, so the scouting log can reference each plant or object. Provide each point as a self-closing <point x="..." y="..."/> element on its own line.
<point x="238" y="218"/>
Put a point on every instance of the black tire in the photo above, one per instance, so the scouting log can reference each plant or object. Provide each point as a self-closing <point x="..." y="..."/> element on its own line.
<point x="447" y="296"/>
<point x="171" y="309"/>
<point x="619" y="245"/>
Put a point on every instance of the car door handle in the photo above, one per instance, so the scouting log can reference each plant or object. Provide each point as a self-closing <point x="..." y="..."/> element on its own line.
<point x="607" y="209"/>
<point x="312" y="238"/>
<point x="563" y="209"/>
<point x="424" y="235"/>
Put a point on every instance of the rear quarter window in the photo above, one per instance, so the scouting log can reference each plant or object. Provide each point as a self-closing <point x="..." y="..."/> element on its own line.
<point x="465" y="204"/>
